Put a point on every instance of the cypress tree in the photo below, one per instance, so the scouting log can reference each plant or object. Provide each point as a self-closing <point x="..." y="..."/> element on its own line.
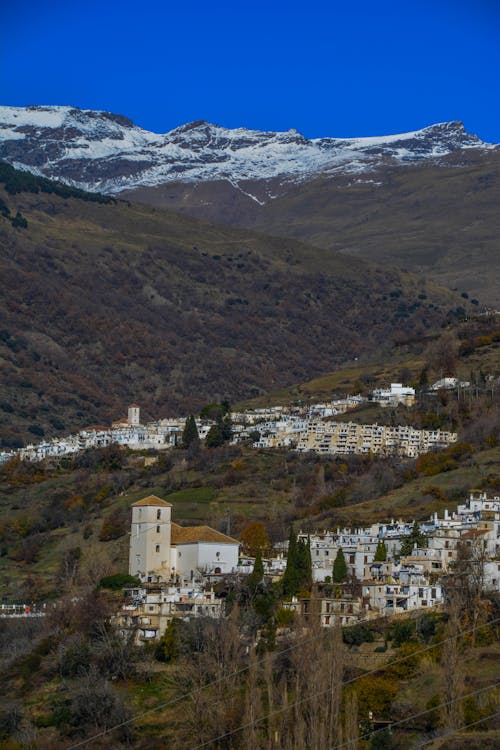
<point x="257" y="574"/>
<point x="290" y="581"/>
<point x="339" y="572"/>
<point x="227" y="428"/>
<point x="190" y="432"/>
<point x="381" y="551"/>
<point x="304" y="565"/>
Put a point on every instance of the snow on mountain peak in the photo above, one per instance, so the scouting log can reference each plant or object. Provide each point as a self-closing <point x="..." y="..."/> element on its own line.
<point x="107" y="152"/>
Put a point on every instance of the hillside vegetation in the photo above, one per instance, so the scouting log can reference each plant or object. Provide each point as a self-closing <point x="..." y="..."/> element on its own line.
<point x="108" y="304"/>
<point x="439" y="220"/>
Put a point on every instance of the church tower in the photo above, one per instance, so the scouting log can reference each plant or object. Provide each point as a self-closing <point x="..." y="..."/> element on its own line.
<point x="150" y="539"/>
<point x="134" y="415"/>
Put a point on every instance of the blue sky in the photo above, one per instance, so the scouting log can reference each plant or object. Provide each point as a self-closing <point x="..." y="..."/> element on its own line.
<point x="325" y="68"/>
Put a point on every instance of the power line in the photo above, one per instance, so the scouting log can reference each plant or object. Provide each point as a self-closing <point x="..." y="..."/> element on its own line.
<point x="180" y="698"/>
<point x="451" y="732"/>
<point x="327" y="690"/>
<point x="421" y="713"/>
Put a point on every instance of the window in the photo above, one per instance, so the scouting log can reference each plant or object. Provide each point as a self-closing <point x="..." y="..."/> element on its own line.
<point x="158" y="514"/>
<point x="157" y="547"/>
<point x="157" y="529"/>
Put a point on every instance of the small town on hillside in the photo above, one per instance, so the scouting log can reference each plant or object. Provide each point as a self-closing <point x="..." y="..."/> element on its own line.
<point x="310" y="427"/>
<point x="358" y="574"/>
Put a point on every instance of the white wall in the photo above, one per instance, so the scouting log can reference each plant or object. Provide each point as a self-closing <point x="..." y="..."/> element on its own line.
<point x="203" y="555"/>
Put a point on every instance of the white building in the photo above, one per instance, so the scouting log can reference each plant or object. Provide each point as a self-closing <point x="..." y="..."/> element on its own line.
<point x="396" y="394"/>
<point x="161" y="550"/>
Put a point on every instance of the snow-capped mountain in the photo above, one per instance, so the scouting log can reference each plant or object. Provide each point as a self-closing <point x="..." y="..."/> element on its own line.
<point x="106" y="152"/>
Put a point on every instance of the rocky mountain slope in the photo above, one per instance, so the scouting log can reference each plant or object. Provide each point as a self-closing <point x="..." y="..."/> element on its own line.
<point x="107" y="152"/>
<point x="106" y="303"/>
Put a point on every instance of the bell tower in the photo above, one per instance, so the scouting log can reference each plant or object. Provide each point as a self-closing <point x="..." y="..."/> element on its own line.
<point x="150" y="538"/>
<point x="134" y="415"/>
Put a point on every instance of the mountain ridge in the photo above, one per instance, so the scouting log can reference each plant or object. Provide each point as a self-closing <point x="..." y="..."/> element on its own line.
<point x="103" y="151"/>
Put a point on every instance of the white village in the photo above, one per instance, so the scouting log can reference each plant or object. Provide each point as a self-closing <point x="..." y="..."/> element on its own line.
<point x="391" y="568"/>
<point x="310" y="427"/>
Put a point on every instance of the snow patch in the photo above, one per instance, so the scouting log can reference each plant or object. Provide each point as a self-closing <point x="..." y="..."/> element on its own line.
<point x="108" y="146"/>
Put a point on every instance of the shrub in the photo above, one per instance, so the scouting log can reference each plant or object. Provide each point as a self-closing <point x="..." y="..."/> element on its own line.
<point x="358" y="634"/>
<point x="36" y="430"/>
<point x="118" y="581"/>
<point x="115" y="525"/>
<point x="403" y="632"/>
<point x="284" y="617"/>
<point x="19" y="222"/>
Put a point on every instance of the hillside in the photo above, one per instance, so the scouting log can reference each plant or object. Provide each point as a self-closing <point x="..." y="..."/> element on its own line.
<point x="425" y="201"/>
<point x="105" y="303"/>
<point x="50" y="508"/>
<point x="440" y="219"/>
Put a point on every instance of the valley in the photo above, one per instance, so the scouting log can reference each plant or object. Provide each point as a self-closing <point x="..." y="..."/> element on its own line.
<point x="306" y="502"/>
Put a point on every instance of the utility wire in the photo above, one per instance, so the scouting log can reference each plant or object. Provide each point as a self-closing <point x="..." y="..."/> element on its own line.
<point x="451" y="732"/>
<point x="314" y="695"/>
<point x="421" y="713"/>
<point x="184" y="696"/>
<point x="180" y="698"/>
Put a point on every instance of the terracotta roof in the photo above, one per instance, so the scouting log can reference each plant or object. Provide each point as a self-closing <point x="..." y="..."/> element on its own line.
<point x="472" y="533"/>
<point x="193" y="534"/>
<point x="152" y="500"/>
<point x="134" y="406"/>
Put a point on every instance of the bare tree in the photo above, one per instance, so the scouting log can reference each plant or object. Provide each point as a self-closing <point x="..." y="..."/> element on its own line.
<point x="252" y="737"/>
<point x="351" y="722"/>
<point x="442" y="354"/>
<point x="452" y="669"/>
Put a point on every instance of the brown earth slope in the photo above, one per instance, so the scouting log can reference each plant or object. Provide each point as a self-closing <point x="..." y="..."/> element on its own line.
<point x="102" y="304"/>
<point x="439" y="219"/>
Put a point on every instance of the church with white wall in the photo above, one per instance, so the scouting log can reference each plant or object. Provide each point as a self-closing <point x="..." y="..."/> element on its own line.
<point x="161" y="550"/>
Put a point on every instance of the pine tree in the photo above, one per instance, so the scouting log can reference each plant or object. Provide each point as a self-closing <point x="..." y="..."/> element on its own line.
<point x="339" y="567"/>
<point x="190" y="433"/>
<point x="381" y="551"/>
<point x="415" y="537"/>
<point x="214" y="437"/>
